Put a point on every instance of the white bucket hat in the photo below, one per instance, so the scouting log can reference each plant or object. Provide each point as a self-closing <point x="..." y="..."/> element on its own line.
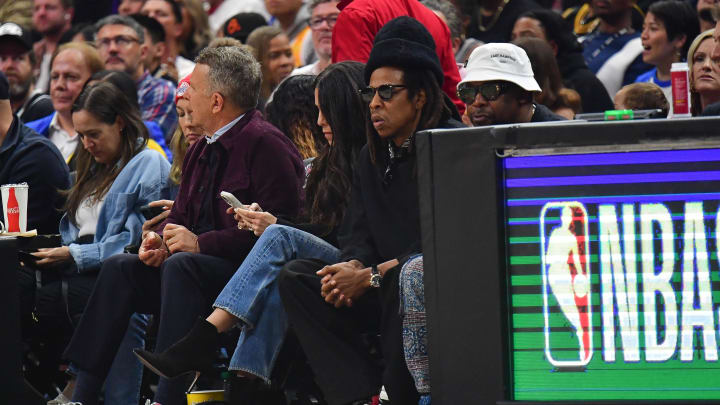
<point x="500" y="61"/>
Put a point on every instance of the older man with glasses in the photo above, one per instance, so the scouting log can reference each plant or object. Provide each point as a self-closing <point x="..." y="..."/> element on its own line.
<point x="499" y="88"/>
<point x="121" y="43"/>
<point x="323" y="16"/>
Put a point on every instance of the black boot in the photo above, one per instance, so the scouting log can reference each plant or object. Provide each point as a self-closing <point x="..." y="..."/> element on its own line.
<point x="195" y="352"/>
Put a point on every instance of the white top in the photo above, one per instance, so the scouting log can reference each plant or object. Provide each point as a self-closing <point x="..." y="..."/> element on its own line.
<point x="229" y="8"/>
<point x="65" y="142"/>
<point x="42" y="83"/>
<point x="183" y="66"/>
<point x="87" y="216"/>
<point x="310" y="69"/>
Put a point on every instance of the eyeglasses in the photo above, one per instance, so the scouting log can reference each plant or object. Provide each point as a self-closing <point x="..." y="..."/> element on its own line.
<point x="385" y="91"/>
<point x="316" y="23"/>
<point x="121" y="40"/>
<point x="490" y="91"/>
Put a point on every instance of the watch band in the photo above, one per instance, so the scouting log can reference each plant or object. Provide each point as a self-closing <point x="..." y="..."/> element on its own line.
<point x="375" y="276"/>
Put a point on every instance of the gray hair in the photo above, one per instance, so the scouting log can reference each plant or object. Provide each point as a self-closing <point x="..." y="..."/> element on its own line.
<point x="122" y="20"/>
<point x="315" y="3"/>
<point x="234" y="73"/>
<point x="451" y="14"/>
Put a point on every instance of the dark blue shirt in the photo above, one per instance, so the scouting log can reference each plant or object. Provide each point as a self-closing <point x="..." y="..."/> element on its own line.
<point x="27" y="157"/>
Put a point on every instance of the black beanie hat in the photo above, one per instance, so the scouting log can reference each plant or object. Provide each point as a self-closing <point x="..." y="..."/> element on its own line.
<point x="404" y="43"/>
<point x="4" y="87"/>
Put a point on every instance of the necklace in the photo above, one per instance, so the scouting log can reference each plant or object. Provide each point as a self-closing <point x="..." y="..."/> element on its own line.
<point x="485" y="27"/>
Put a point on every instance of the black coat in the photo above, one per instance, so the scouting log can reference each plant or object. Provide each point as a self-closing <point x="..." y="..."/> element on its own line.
<point x="27" y="157"/>
<point x="579" y="77"/>
<point x="383" y="219"/>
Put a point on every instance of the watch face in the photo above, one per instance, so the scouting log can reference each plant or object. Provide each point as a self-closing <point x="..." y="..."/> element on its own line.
<point x="375" y="280"/>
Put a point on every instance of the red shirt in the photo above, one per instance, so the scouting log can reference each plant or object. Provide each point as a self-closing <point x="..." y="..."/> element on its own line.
<point x="360" y="20"/>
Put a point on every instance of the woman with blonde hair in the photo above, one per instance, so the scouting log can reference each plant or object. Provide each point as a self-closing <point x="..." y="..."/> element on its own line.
<point x="704" y="73"/>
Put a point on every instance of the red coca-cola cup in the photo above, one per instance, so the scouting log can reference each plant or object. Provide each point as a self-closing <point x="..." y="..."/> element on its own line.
<point x="14" y="202"/>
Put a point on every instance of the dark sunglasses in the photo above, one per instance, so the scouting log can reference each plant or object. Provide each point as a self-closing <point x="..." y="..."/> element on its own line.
<point x="490" y="91"/>
<point x="385" y="91"/>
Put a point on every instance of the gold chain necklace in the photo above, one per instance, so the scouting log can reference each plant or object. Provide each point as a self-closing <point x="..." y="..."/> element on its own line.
<point x="483" y="27"/>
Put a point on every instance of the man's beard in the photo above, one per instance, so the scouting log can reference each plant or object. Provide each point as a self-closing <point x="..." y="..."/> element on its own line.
<point x="18" y="91"/>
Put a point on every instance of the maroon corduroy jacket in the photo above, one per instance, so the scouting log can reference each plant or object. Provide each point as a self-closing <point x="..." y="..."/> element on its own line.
<point x="257" y="163"/>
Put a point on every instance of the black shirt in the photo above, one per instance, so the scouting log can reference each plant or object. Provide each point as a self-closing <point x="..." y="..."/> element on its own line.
<point x="543" y="114"/>
<point x="577" y="76"/>
<point x="27" y="157"/>
<point x="501" y="31"/>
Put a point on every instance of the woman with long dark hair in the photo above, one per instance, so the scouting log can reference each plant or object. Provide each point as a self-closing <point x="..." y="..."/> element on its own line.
<point x="116" y="175"/>
<point x="251" y="297"/>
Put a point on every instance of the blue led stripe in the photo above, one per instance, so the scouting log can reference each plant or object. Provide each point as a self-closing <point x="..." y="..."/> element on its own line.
<point x="614" y="179"/>
<point x="606" y="159"/>
<point x="617" y="198"/>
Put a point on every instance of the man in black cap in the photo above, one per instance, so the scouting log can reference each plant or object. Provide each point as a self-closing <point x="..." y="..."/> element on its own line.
<point x="26" y="157"/>
<point x="17" y="62"/>
<point x="332" y="310"/>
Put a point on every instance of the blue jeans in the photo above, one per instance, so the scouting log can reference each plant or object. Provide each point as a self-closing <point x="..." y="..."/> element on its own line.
<point x="123" y="383"/>
<point x="252" y="295"/>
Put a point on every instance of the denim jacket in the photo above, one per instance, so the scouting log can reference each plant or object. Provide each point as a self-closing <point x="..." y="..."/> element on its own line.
<point x="143" y="179"/>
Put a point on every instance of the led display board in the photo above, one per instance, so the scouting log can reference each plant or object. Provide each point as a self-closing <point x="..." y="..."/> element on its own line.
<point x="614" y="280"/>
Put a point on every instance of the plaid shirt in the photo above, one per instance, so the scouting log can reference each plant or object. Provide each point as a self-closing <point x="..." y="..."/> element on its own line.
<point x="156" y="97"/>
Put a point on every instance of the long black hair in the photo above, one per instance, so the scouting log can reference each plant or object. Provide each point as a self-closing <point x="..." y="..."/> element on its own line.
<point x="293" y="111"/>
<point x="329" y="183"/>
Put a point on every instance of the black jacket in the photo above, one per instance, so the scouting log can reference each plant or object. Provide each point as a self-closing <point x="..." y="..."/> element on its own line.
<point x="383" y="220"/>
<point x="501" y="31"/>
<point x="544" y="114"/>
<point x="579" y="77"/>
<point x="27" y="157"/>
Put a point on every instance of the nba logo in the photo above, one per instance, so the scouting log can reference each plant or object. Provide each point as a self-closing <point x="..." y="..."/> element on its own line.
<point x="567" y="301"/>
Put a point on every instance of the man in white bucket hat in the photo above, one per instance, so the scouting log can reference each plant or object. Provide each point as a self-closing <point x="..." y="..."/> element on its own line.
<point x="499" y="86"/>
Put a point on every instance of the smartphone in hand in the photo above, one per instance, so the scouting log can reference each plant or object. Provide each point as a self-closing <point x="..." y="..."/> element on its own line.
<point x="231" y="200"/>
<point x="150" y="212"/>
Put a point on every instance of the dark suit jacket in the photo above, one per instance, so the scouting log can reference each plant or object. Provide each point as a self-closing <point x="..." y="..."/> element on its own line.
<point x="256" y="163"/>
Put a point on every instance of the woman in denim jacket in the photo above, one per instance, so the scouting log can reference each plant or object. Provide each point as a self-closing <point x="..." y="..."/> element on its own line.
<point x="116" y="175"/>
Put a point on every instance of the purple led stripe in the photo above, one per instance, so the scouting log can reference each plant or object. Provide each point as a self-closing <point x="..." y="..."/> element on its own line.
<point x="605" y="159"/>
<point x="614" y="179"/>
<point x="618" y="199"/>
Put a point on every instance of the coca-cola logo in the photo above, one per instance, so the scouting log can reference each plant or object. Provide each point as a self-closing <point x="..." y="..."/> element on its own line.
<point x="13" y="210"/>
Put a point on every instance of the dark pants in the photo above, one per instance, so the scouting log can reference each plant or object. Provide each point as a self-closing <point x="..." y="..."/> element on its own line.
<point x="335" y="340"/>
<point x="57" y="304"/>
<point x="181" y="290"/>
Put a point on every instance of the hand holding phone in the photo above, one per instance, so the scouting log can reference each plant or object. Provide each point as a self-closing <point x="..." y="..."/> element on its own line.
<point x="231" y="200"/>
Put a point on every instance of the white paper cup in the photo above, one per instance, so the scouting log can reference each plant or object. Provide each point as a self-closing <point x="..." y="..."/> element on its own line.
<point x="14" y="202"/>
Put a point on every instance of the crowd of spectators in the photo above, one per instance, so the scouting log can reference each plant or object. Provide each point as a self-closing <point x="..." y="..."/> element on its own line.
<point x="128" y="124"/>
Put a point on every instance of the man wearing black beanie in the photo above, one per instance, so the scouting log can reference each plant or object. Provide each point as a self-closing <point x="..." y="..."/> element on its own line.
<point x="26" y="157"/>
<point x="331" y="310"/>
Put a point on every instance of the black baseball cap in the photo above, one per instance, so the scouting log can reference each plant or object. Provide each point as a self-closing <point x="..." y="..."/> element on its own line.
<point x="13" y="31"/>
<point x="241" y="25"/>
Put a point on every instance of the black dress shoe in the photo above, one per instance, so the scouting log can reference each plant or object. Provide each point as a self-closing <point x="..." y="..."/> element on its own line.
<point x="193" y="353"/>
